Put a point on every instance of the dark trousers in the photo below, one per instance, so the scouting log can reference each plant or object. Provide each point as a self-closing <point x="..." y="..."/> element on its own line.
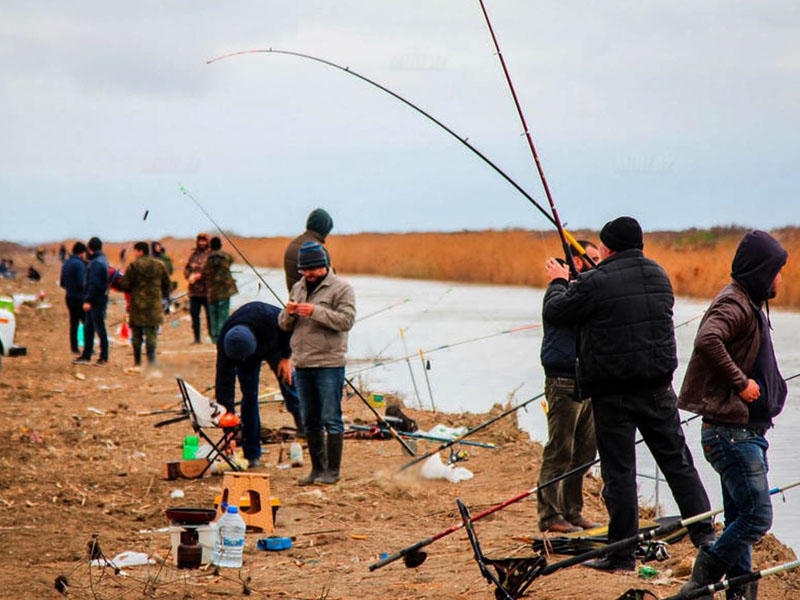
<point x="196" y="303"/>
<point x="148" y="335"/>
<point x="570" y="444"/>
<point x="96" y="324"/>
<point x="655" y="415"/>
<point x="76" y="316"/>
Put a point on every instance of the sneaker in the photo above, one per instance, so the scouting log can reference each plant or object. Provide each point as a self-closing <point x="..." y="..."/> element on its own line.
<point x="253" y="463"/>
<point x="81" y="361"/>
<point x="101" y="363"/>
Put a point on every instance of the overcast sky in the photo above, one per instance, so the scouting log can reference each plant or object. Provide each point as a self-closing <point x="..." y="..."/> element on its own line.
<point x="682" y="114"/>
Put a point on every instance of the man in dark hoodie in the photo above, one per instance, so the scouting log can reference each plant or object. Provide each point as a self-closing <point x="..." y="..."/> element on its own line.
<point x="733" y="381"/>
<point x="318" y="225"/>
<point x="626" y="357"/>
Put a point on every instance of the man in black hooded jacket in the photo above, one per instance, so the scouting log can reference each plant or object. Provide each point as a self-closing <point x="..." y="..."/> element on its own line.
<point x="626" y="357"/>
<point x="733" y="381"/>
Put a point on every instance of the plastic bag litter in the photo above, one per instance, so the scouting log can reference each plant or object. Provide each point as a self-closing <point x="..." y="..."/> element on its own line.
<point x="443" y="431"/>
<point x="124" y="559"/>
<point x="434" y="468"/>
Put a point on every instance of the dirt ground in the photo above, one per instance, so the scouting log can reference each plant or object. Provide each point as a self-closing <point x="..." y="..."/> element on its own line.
<point x="79" y="457"/>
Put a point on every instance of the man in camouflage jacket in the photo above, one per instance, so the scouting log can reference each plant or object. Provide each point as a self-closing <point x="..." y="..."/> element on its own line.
<point x="220" y="286"/>
<point x="147" y="281"/>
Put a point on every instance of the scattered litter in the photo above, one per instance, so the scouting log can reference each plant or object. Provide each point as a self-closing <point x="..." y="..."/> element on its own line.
<point x="176" y="494"/>
<point x="444" y="431"/>
<point x="274" y="543"/>
<point x="433" y="468"/>
<point x="80" y="376"/>
<point x="124" y="559"/>
<point x="94" y="410"/>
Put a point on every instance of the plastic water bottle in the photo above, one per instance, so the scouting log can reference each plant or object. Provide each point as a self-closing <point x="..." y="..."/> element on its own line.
<point x="217" y="543"/>
<point x="231" y="538"/>
<point x="295" y="454"/>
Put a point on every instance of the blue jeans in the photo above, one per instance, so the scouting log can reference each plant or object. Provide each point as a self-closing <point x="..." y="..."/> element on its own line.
<point x="320" y="392"/>
<point x="739" y="455"/>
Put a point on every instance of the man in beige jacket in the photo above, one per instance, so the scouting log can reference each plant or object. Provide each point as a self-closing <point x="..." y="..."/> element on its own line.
<point x="320" y="312"/>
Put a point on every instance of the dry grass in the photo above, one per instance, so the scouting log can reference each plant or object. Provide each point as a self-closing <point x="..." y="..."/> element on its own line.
<point x="697" y="260"/>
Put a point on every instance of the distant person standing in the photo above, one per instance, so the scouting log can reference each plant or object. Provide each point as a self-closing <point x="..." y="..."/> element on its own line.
<point x="95" y="303"/>
<point x="158" y="251"/>
<point x="320" y="311"/>
<point x="570" y="424"/>
<point x="147" y="282"/>
<point x="198" y="295"/>
<point x="318" y="225"/>
<point x="734" y="382"/>
<point x="73" y="280"/>
<point x="220" y="286"/>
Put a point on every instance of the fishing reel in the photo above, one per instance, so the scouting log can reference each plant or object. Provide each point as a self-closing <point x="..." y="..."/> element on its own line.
<point x="457" y="456"/>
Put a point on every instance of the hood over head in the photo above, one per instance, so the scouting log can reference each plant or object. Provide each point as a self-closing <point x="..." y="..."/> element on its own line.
<point x="759" y="257"/>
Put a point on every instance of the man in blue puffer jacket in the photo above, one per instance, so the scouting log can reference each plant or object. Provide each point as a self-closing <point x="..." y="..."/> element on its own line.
<point x="73" y="279"/>
<point x="95" y="302"/>
<point x="626" y="357"/>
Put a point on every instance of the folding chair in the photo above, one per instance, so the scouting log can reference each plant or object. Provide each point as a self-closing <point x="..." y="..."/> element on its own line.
<point x="205" y="413"/>
<point x="512" y="575"/>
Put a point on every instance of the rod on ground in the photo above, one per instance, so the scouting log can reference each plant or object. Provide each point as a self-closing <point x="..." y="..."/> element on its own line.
<point x="733" y="582"/>
<point x="416" y="558"/>
<point x="470" y="432"/>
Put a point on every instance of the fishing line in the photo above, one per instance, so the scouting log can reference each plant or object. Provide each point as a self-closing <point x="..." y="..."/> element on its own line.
<point x="186" y="193"/>
<point x="358" y="393"/>
<point x="462" y="140"/>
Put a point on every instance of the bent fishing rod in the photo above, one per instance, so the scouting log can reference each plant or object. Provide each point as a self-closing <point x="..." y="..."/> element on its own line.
<point x="556" y="220"/>
<point x="358" y="393"/>
<point x="563" y="233"/>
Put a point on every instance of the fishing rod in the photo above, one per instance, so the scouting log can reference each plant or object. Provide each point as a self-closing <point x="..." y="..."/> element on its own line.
<point x="539" y="564"/>
<point x="413" y="556"/>
<point x="383" y="310"/>
<point x="553" y="210"/>
<point x="186" y="193"/>
<point x="463" y="140"/>
<point x="734" y="582"/>
<point x="383" y="363"/>
<point x="358" y="393"/>
<point x="475" y="429"/>
<point x="423" y="436"/>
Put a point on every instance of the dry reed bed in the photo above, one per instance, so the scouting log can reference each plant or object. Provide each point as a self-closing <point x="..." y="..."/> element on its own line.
<point x="697" y="260"/>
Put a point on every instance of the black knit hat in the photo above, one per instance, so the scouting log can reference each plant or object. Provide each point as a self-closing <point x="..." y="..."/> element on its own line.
<point x="320" y="222"/>
<point x="623" y="233"/>
<point x="311" y="255"/>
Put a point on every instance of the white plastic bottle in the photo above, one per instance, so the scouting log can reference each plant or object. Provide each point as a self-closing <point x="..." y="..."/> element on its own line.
<point x="295" y="454"/>
<point x="231" y="538"/>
